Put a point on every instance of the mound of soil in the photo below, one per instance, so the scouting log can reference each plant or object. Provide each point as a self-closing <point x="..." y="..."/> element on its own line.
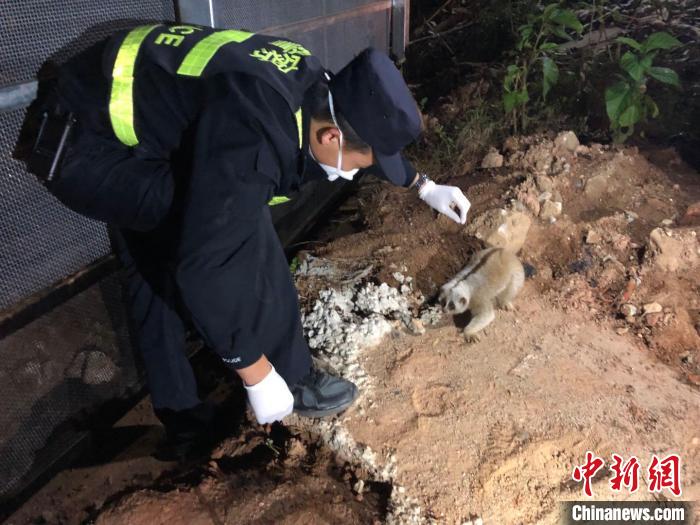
<point x="492" y="430"/>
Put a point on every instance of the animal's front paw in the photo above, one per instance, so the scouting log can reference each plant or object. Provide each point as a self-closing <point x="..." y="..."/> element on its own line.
<point x="508" y="307"/>
<point x="472" y="338"/>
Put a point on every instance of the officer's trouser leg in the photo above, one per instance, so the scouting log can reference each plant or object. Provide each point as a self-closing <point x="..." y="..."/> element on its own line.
<point x="287" y="348"/>
<point x="160" y="332"/>
<point x="243" y="300"/>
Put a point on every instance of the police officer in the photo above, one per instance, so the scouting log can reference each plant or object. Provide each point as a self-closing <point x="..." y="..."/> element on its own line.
<point x="184" y="136"/>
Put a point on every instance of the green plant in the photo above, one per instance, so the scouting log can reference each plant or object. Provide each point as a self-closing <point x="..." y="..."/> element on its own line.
<point x="536" y="44"/>
<point x="627" y="101"/>
<point x="294" y="265"/>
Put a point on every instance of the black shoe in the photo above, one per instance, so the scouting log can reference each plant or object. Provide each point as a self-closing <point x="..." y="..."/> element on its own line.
<point x="320" y="394"/>
<point x="189" y="434"/>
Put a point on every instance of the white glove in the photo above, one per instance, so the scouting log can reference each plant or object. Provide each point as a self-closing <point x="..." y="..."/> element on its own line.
<point x="270" y="399"/>
<point x="443" y="198"/>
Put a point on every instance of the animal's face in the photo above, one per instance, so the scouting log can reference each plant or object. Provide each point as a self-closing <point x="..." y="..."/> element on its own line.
<point x="454" y="300"/>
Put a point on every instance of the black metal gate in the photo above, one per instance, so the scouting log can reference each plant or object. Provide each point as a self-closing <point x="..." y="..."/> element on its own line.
<point x="64" y="344"/>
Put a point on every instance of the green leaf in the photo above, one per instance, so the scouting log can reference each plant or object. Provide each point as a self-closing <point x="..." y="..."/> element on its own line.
<point x="294" y="265"/>
<point x="509" y="101"/>
<point x="523" y="97"/>
<point x="645" y="62"/>
<point x="560" y="32"/>
<point x="514" y="99"/>
<point x="651" y="106"/>
<point x="548" y="46"/>
<point x="621" y="135"/>
<point x="661" y="40"/>
<point x="665" y="75"/>
<point x="617" y="99"/>
<point x="512" y="72"/>
<point x="630" y="63"/>
<point x="547" y="13"/>
<point x="630" y="116"/>
<point x="550" y="75"/>
<point x="630" y="42"/>
<point x="567" y="18"/>
<point x="525" y="34"/>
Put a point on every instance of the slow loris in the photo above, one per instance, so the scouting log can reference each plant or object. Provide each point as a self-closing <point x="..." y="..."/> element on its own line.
<point x="493" y="277"/>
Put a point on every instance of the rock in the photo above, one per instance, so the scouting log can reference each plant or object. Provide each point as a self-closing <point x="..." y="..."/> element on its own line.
<point x="561" y="165"/>
<point x="667" y="222"/>
<point x="539" y="158"/>
<point x="550" y="210"/>
<point x="653" y="319"/>
<point x="652" y="308"/>
<point x="544" y="196"/>
<point x="593" y="237"/>
<point x="415" y="326"/>
<point x="672" y="251"/>
<point x="493" y="159"/>
<point x="628" y="310"/>
<point x="544" y="183"/>
<point x="511" y="144"/>
<point x="622" y="330"/>
<point x="501" y="228"/>
<point x="691" y="217"/>
<point x="99" y="368"/>
<point x="596" y="186"/>
<point x="582" y="150"/>
<point x="529" y="200"/>
<point x="567" y="140"/>
<point x="359" y="486"/>
<point x="693" y="378"/>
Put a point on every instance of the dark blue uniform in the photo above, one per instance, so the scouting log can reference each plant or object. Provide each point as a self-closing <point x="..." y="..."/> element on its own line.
<point x="183" y="152"/>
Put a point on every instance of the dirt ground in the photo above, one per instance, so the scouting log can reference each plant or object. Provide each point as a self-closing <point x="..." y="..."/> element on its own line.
<point x="492" y="429"/>
<point x="601" y="353"/>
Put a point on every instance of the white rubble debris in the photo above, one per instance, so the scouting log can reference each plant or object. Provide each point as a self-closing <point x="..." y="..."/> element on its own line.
<point x="431" y="315"/>
<point x="340" y="325"/>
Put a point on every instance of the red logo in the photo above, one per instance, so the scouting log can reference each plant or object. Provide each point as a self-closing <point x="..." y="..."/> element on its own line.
<point x="586" y="471"/>
<point x="626" y="474"/>
<point x="665" y="474"/>
<point x="662" y="473"/>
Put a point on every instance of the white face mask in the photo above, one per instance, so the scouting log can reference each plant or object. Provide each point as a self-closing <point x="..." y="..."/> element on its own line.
<point x="333" y="172"/>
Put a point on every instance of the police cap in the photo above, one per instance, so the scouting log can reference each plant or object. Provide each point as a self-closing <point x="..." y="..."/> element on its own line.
<point x="372" y="96"/>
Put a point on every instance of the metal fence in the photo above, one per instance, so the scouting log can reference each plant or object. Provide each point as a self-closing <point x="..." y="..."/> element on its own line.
<point x="62" y="365"/>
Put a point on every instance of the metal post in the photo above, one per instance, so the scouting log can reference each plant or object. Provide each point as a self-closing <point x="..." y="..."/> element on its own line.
<point x="199" y="12"/>
<point x="400" y="10"/>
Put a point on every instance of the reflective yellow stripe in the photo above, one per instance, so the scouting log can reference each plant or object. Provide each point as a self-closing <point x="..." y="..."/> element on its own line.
<point x="121" y="101"/>
<point x="274" y="201"/>
<point x="200" y="55"/>
<point x="300" y="126"/>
